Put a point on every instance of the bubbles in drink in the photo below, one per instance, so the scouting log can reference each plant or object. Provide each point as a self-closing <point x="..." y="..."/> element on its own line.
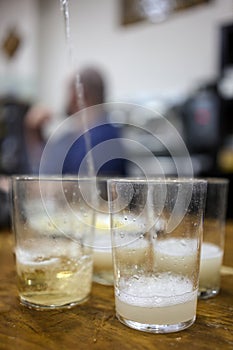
<point x="167" y="299"/>
<point x="176" y="255"/>
<point x="161" y="290"/>
<point x="51" y="279"/>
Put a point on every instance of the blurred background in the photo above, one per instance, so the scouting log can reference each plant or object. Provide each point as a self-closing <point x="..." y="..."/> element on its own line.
<point x="173" y="56"/>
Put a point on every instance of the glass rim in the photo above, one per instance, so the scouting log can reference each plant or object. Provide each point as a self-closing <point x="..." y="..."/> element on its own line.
<point x="217" y="180"/>
<point x="157" y="180"/>
<point x="50" y="178"/>
<point x="126" y="179"/>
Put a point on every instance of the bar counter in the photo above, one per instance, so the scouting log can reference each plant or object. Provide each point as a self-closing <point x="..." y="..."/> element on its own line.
<point x="93" y="325"/>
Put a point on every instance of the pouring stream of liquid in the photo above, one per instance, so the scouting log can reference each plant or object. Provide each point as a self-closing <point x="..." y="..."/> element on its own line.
<point x="79" y="88"/>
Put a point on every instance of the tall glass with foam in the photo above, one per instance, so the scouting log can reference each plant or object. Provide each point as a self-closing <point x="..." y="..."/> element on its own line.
<point x="156" y="228"/>
<point x="213" y="237"/>
<point x="53" y="227"/>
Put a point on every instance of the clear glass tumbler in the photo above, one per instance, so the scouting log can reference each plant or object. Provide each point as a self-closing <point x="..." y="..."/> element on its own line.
<point x="53" y="228"/>
<point x="213" y="237"/>
<point x="156" y="230"/>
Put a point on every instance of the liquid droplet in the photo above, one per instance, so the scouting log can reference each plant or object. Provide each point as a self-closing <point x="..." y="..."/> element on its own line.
<point x="136" y="277"/>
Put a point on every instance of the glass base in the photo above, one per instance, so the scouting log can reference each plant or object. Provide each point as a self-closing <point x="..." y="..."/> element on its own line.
<point x="156" y="328"/>
<point x="41" y="307"/>
<point x="103" y="278"/>
<point x="208" y="293"/>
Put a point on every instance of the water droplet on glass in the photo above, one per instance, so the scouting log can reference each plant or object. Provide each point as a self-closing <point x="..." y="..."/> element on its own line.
<point x="183" y="242"/>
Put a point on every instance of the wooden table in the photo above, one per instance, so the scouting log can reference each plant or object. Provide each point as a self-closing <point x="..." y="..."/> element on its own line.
<point x="93" y="325"/>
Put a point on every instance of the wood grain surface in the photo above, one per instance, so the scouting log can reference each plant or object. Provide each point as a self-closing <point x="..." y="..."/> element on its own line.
<point x="93" y="325"/>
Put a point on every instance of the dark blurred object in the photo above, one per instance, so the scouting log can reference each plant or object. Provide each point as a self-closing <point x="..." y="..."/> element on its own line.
<point x="226" y="47"/>
<point x="225" y="84"/>
<point x="11" y="43"/>
<point x="13" y="155"/>
<point x="225" y="88"/>
<point x="225" y="169"/>
<point x="5" y="202"/>
<point x="206" y="134"/>
<point x="201" y="120"/>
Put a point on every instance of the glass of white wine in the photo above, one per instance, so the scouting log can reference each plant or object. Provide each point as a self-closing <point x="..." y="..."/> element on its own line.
<point x="53" y="226"/>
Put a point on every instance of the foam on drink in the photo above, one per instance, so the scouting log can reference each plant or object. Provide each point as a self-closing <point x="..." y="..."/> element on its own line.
<point x="167" y="299"/>
<point x="175" y="254"/>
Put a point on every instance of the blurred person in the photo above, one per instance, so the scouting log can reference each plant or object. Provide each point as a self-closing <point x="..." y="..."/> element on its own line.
<point x="35" y="122"/>
<point x="99" y="131"/>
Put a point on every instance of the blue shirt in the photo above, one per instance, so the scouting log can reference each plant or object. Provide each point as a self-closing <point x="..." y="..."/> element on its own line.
<point x="107" y="154"/>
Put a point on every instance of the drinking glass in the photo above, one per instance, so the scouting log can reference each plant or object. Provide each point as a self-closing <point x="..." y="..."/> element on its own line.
<point x="102" y="248"/>
<point x="156" y="228"/>
<point x="53" y="226"/>
<point x="213" y="237"/>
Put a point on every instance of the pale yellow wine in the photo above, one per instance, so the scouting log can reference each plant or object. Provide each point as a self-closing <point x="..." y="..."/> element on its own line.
<point x="54" y="280"/>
